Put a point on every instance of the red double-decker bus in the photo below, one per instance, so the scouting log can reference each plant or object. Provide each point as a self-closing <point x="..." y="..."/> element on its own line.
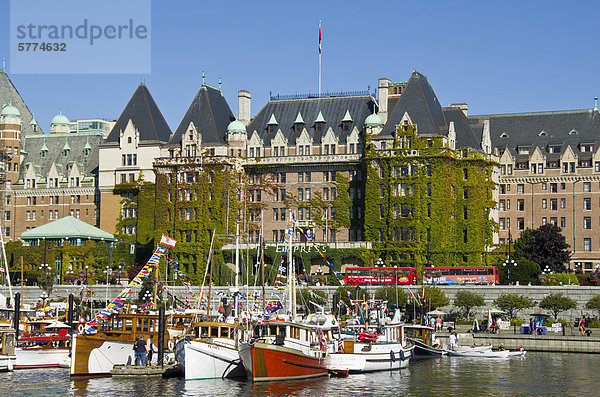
<point x="461" y="275"/>
<point x="379" y="275"/>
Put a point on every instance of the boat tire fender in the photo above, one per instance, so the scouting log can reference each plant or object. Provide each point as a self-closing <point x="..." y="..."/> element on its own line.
<point x="80" y="328"/>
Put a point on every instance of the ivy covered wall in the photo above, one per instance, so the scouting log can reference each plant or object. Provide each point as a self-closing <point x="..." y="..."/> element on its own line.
<point x="426" y="203"/>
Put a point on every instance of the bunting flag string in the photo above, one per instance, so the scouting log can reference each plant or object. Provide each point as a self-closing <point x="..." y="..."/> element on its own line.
<point x="125" y="296"/>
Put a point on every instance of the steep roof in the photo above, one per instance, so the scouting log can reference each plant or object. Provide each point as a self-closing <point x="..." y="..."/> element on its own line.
<point x="8" y="93"/>
<point x="210" y="114"/>
<point x="466" y="136"/>
<point x="54" y="145"/>
<point x="421" y="104"/>
<point x="560" y="128"/>
<point x="332" y="110"/>
<point x="146" y="117"/>
<point x="66" y="228"/>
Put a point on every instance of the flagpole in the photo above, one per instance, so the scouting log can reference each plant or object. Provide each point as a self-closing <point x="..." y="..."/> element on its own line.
<point x="319" y="58"/>
<point x="262" y="259"/>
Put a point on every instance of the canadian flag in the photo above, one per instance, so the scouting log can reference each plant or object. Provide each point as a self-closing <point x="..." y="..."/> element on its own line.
<point x="166" y="240"/>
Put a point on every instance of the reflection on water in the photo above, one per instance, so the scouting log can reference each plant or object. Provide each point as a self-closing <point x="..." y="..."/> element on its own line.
<point x="537" y="374"/>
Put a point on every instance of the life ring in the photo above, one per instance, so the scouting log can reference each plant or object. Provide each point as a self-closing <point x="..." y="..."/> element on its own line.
<point x="54" y="343"/>
<point x="80" y="328"/>
<point x="171" y="345"/>
<point x="68" y="343"/>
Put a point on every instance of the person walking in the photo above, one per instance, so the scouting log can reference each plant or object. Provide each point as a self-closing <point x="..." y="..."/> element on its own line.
<point x="151" y="348"/>
<point x="581" y="326"/>
<point x="140" y="351"/>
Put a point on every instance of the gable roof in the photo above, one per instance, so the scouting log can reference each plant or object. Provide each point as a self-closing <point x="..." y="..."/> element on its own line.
<point x="421" y="104"/>
<point x="331" y="110"/>
<point x="8" y="93"/>
<point x="523" y="129"/>
<point x="466" y="135"/>
<point x="146" y="117"/>
<point x="210" y="113"/>
<point x="66" y="228"/>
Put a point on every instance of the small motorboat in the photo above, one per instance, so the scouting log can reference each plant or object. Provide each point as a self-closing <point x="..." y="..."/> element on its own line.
<point x="520" y="353"/>
<point x="467" y="349"/>
<point x="479" y="354"/>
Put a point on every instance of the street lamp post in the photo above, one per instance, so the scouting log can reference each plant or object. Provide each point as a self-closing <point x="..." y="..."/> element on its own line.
<point x="108" y="271"/>
<point x="509" y="262"/>
<point x="121" y="267"/>
<point x="86" y="273"/>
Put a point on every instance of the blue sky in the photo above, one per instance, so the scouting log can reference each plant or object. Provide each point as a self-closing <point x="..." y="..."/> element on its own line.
<point x="496" y="56"/>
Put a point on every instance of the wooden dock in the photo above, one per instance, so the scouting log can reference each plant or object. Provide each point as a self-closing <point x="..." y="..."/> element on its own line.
<point x="152" y="371"/>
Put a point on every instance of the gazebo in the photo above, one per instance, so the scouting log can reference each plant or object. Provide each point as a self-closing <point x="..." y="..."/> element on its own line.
<point x="70" y="229"/>
<point x="66" y="229"/>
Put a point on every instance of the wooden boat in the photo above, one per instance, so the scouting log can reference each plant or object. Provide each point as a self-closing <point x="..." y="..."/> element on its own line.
<point x="423" y="337"/>
<point x="212" y="353"/>
<point x="480" y="354"/>
<point x="44" y="344"/>
<point x="7" y="349"/>
<point x="518" y="353"/>
<point x="95" y="355"/>
<point x="386" y="350"/>
<point x="284" y="351"/>
<point x="466" y="349"/>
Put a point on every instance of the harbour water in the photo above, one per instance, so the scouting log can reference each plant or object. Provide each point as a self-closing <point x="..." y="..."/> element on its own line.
<point x="547" y="374"/>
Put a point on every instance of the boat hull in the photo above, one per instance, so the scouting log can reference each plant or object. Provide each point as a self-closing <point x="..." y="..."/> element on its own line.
<point x="7" y="362"/>
<point x="480" y="354"/>
<point x="27" y="358"/>
<point x="379" y="358"/>
<point x="204" y="360"/>
<point x="96" y="357"/>
<point x="269" y="362"/>
<point x="424" y="351"/>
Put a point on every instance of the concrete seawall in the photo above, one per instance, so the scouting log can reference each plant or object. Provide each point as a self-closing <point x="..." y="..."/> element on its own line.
<point x="541" y="343"/>
<point x="580" y="294"/>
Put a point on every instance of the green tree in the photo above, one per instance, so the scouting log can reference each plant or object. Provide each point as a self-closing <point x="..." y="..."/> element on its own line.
<point x="434" y="297"/>
<point x="513" y="303"/>
<point x="524" y="271"/>
<point x="557" y="303"/>
<point x="304" y="298"/>
<point x="342" y="293"/>
<point x="468" y="300"/>
<point x="593" y="304"/>
<point x="390" y="293"/>
<point x="545" y="246"/>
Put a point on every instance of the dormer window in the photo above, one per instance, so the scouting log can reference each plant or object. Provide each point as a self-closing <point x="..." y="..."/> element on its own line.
<point x="319" y="127"/>
<point x="554" y="149"/>
<point x="587" y="147"/>
<point x="43" y="154"/>
<point x="523" y="150"/>
<point x="65" y="152"/>
<point x="129" y="140"/>
<point x="86" y="152"/>
<point x="346" y="126"/>
<point x="298" y="123"/>
<point x="320" y="123"/>
<point x="272" y="124"/>
<point x="191" y="135"/>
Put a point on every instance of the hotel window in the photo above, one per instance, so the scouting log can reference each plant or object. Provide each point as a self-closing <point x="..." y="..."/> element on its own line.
<point x="587" y="186"/>
<point x="597" y="166"/>
<point x="544" y="220"/>
<point x="501" y="224"/>
<point x="587" y="204"/>
<point x="587" y="222"/>
<point x="563" y="221"/>
<point x="563" y="186"/>
<point x="553" y="188"/>
<point x="502" y="205"/>
<point x="587" y="244"/>
<point x="544" y="186"/>
<point x="553" y="221"/>
<point x="301" y="194"/>
<point x="586" y="147"/>
<point x="520" y="205"/>
<point x="502" y="188"/>
<point x="510" y="169"/>
<point x="520" y="223"/>
<point x="307" y="194"/>
<point x="544" y="203"/>
<point x="300" y="177"/>
<point x="553" y="204"/>
<point x="520" y="188"/>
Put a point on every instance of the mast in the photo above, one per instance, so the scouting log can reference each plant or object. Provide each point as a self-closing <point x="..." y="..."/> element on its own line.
<point x="262" y="262"/>
<point x="237" y="267"/>
<point x="291" y="275"/>
<point x="6" y="262"/>
<point x="210" y="253"/>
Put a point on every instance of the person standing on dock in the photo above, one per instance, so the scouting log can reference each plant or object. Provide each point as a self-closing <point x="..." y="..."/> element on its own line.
<point x="140" y="351"/>
<point x="151" y="348"/>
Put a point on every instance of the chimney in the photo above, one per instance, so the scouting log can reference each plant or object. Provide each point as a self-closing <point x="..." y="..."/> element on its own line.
<point x="244" y="98"/>
<point x="461" y="106"/>
<point x="384" y="84"/>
